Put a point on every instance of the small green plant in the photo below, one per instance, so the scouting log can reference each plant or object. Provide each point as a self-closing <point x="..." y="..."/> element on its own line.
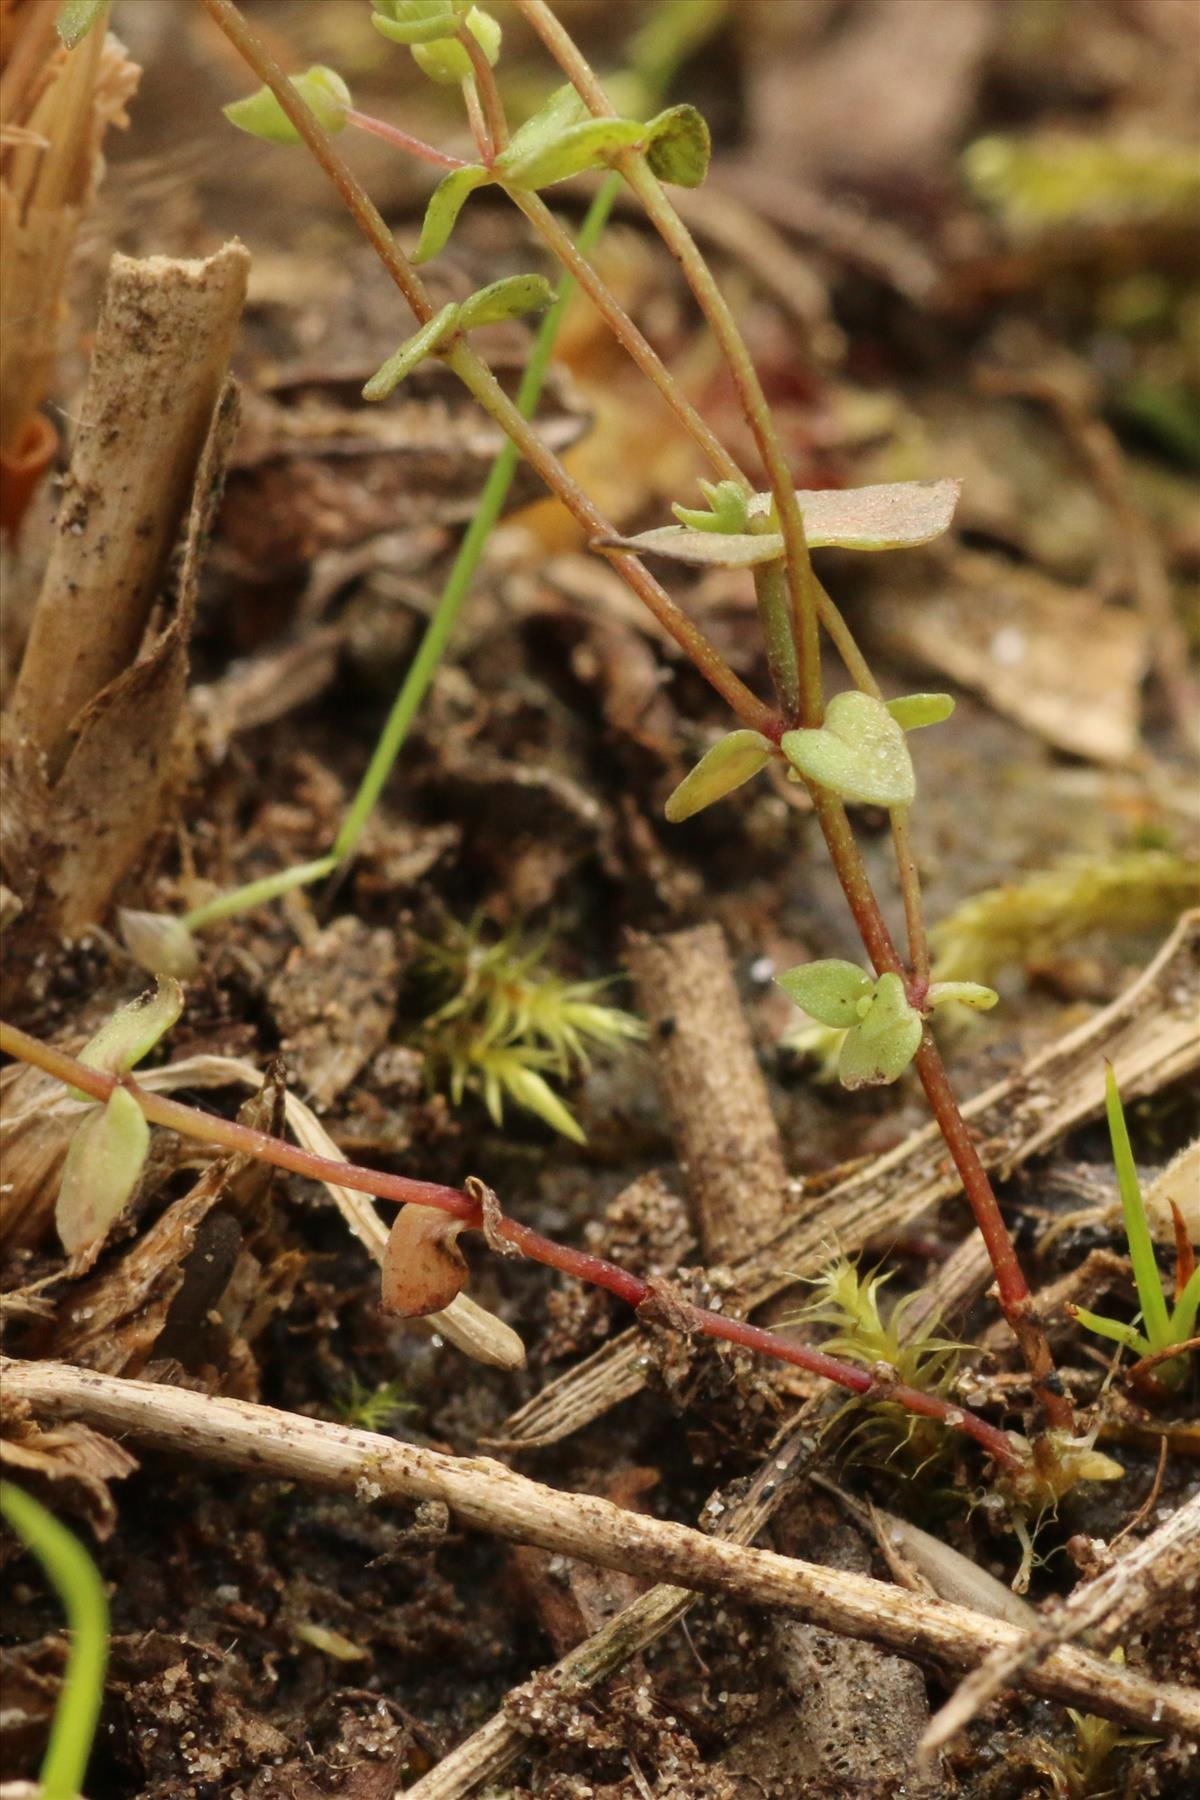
<point x="890" y="1437"/>
<point x="373" y="1409"/>
<point x="1164" y="1326"/>
<point x="78" y="1582"/>
<point x="505" y="1023"/>
<point x="848" y="750"/>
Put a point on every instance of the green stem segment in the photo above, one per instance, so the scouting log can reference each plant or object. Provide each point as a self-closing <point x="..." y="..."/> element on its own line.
<point x="81" y="1591"/>
<point x="775" y="618"/>
<point x="580" y="1264"/>
<point x="571" y="257"/>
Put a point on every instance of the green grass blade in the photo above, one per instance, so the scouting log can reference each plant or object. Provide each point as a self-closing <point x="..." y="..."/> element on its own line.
<point x="1183" y="1317"/>
<point x="491" y="503"/>
<point x="1137" y="1227"/>
<point x="81" y="1590"/>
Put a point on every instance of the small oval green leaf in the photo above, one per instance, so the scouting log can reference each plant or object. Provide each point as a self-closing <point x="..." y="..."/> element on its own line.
<point x="323" y="92"/>
<point x="414" y="350"/>
<point x="967" y="993"/>
<point x="132" y="1032"/>
<point x="725" y="767"/>
<point x="445" y="60"/>
<point x="912" y="711"/>
<point x="680" y="146"/>
<point x="879" y="1049"/>
<point x="445" y="204"/>
<point x="564" y="108"/>
<point x="589" y="145"/>
<point x="860" y="753"/>
<point x="507" y="299"/>
<point x="893" y="516"/>
<point x="828" y="991"/>
<point x="101" y="1171"/>
<point x="416" y="21"/>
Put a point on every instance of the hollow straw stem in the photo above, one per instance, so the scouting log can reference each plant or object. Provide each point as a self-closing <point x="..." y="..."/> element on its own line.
<point x="243" y="1140"/>
<point x="480" y="381"/>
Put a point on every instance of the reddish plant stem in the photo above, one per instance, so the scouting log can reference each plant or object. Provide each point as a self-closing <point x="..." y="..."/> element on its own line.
<point x="227" y="1134"/>
<point x="479" y="125"/>
<point x="1011" y="1287"/>
<point x="486" y="89"/>
<point x="478" y="378"/>
<point x="412" y="146"/>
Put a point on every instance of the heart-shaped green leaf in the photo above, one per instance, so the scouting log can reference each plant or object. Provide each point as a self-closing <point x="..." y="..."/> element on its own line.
<point x="507" y="299"/>
<point x="725" y="767"/>
<point x="323" y="92"/>
<point x="588" y="145"/>
<point x="680" y="146"/>
<point x="133" y="1031"/>
<point x="967" y="993"/>
<point x="912" y="711"/>
<point x="828" y="991"/>
<point x="101" y="1170"/>
<point x="414" y="350"/>
<point x="859" y="753"/>
<point x="884" y="1042"/>
<point x="445" y="203"/>
<point x="894" y="516"/>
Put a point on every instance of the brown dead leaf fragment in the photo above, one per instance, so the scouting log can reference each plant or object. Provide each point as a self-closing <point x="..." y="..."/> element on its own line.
<point x="334" y="1001"/>
<point x="1056" y="659"/>
<point x="423" y="1268"/>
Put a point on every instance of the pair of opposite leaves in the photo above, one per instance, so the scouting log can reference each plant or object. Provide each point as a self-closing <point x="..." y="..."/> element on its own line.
<point x="859" y="753"/>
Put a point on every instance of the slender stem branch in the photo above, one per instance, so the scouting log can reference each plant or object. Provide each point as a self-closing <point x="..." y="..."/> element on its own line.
<point x="458" y="582"/>
<point x="559" y="243"/>
<point x="855" y="882"/>
<point x="1011" y="1287"/>
<point x="775" y="617"/>
<point x="713" y="304"/>
<point x="487" y="90"/>
<point x="477" y="119"/>
<point x="843" y="642"/>
<point x="412" y="146"/>
<point x="478" y="378"/>
<point x="914" y="917"/>
<point x="229" y="1135"/>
